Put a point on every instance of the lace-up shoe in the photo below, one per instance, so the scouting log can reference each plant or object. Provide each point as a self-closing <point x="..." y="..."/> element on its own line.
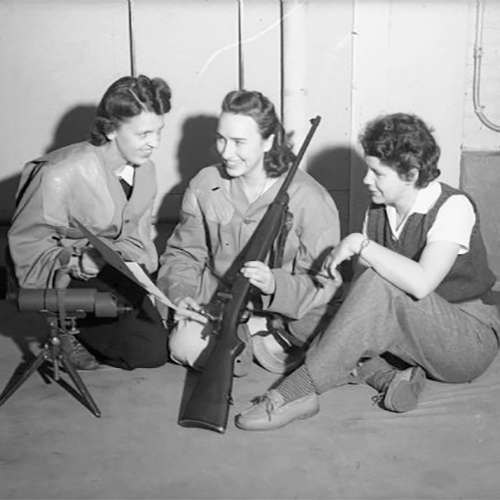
<point x="80" y="358"/>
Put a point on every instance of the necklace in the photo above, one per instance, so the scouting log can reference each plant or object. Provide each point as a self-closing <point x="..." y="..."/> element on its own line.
<point x="253" y="196"/>
<point x="264" y="188"/>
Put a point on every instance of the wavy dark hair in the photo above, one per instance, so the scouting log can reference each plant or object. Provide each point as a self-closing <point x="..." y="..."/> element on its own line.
<point x="256" y="105"/>
<point x="125" y="98"/>
<point x="403" y="142"/>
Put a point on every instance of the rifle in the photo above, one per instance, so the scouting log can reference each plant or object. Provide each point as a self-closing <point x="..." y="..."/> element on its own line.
<point x="208" y="405"/>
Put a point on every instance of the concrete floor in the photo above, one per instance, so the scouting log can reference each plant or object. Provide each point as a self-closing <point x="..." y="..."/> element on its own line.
<point x="53" y="447"/>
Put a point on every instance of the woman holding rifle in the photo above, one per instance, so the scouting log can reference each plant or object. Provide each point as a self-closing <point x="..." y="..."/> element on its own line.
<point x="420" y="308"/>
<point x="221" y="209"/>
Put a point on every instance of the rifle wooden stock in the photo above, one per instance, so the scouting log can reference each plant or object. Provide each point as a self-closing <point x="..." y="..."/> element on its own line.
<point x="208" y="405"/>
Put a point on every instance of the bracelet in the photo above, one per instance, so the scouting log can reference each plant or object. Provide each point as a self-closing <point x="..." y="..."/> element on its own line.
<point x="363" y="245"/>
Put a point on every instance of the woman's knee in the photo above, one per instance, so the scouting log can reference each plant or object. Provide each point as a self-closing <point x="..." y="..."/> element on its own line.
<point x="187" y="342"/>
<point x="371" y="285"/>
<point x="370" y="277"/>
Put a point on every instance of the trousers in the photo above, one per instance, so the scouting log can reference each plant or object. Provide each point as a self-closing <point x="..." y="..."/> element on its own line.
<point x="454" y="343"/>
<point x="135" y="339"/>
<point x="190" y="341"/>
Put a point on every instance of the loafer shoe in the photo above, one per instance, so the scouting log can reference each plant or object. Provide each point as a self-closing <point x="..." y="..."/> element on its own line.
<point x="270" y="411"/>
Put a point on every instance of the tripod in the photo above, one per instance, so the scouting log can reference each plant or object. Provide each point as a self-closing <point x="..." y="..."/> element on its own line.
<point x="52" y="352"/>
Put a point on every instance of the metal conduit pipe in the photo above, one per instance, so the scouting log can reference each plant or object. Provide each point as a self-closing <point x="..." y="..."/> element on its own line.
<point x="478" y="54"/>
<point x="293" y="78"/>
<point x="241" y="61"/>
<point x="133" y="68"/>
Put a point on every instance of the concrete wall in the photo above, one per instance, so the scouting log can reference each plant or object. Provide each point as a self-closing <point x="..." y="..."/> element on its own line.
<point x="359" y="58"/>
<point x="477" y="136"/>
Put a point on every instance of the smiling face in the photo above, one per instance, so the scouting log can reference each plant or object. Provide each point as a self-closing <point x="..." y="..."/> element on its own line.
<point x="241" y="146"/>
<point x="137" y="138"/>
<point x="385" y="185"/>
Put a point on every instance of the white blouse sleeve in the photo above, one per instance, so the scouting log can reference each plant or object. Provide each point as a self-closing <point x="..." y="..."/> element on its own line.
<point x="454" y="222"/>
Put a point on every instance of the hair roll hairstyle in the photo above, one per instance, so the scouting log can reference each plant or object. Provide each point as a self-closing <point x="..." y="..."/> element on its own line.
<point x="128" y="97"/>
<point x="262" y="110"/>
<point x="403" y="142"/>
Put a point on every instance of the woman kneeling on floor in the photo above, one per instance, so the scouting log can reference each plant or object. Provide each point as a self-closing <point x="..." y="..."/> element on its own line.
<point x="422" y="296"/>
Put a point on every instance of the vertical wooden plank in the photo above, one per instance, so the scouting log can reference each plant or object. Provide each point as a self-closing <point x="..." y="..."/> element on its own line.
<point x="51" y="78"/>
<point x="329" y="69"/>
<point x="403" y="62"/>
<point x="193" y="45"/>
<point x="477" y="136"/>
<point x="261" y="48"/>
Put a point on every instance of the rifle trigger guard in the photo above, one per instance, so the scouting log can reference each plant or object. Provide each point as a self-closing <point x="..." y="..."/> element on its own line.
<point x="245" y="316"/>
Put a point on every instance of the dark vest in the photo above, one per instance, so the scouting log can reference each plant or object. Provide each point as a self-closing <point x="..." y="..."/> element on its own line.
<point x="468" y="279"/>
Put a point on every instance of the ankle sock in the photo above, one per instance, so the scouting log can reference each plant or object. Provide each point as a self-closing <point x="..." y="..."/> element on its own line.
<point x="297" y="385"/>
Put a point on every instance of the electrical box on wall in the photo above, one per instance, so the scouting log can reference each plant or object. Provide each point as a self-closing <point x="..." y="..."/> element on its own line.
<point x="480" y="177"/>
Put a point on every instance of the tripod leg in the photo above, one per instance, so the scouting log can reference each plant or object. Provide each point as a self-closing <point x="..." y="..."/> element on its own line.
<point x="79" y="383"/>
<point x="11" y="388"/>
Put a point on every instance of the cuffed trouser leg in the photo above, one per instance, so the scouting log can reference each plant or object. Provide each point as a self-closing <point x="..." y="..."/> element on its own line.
<point x="453" y="343"/>
<point x="314" y="322"/>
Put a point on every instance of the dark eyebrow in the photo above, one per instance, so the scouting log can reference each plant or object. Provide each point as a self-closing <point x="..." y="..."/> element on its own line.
<point x="217" y="134"/>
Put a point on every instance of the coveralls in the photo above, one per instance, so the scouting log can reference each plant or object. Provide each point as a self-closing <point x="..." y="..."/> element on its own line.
<point x="75" y="182"/>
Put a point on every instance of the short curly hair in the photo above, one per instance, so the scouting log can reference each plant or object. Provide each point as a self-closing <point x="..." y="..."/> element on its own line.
<point x="403" y="142"/>
<point x="125" y="98"/>
<point x="259" y="107"/>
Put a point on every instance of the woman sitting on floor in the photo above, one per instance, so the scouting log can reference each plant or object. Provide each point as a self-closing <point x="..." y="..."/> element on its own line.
<point x="422" y="300"/>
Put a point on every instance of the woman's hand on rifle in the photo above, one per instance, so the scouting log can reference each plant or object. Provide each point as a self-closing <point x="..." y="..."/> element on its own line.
<point x="259" y="275"/>
<point x="189" y="308"/>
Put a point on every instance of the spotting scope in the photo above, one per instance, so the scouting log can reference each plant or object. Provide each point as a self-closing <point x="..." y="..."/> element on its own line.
<point x="73" y="300"/>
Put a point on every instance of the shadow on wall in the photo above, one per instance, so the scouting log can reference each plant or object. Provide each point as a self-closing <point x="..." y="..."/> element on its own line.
<point x="73" y="127"/>
<point x="196" y="151"/>
<point x="330" y="168"/>
<point x="360" y="197"/>
<point x="341" y="170"/>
